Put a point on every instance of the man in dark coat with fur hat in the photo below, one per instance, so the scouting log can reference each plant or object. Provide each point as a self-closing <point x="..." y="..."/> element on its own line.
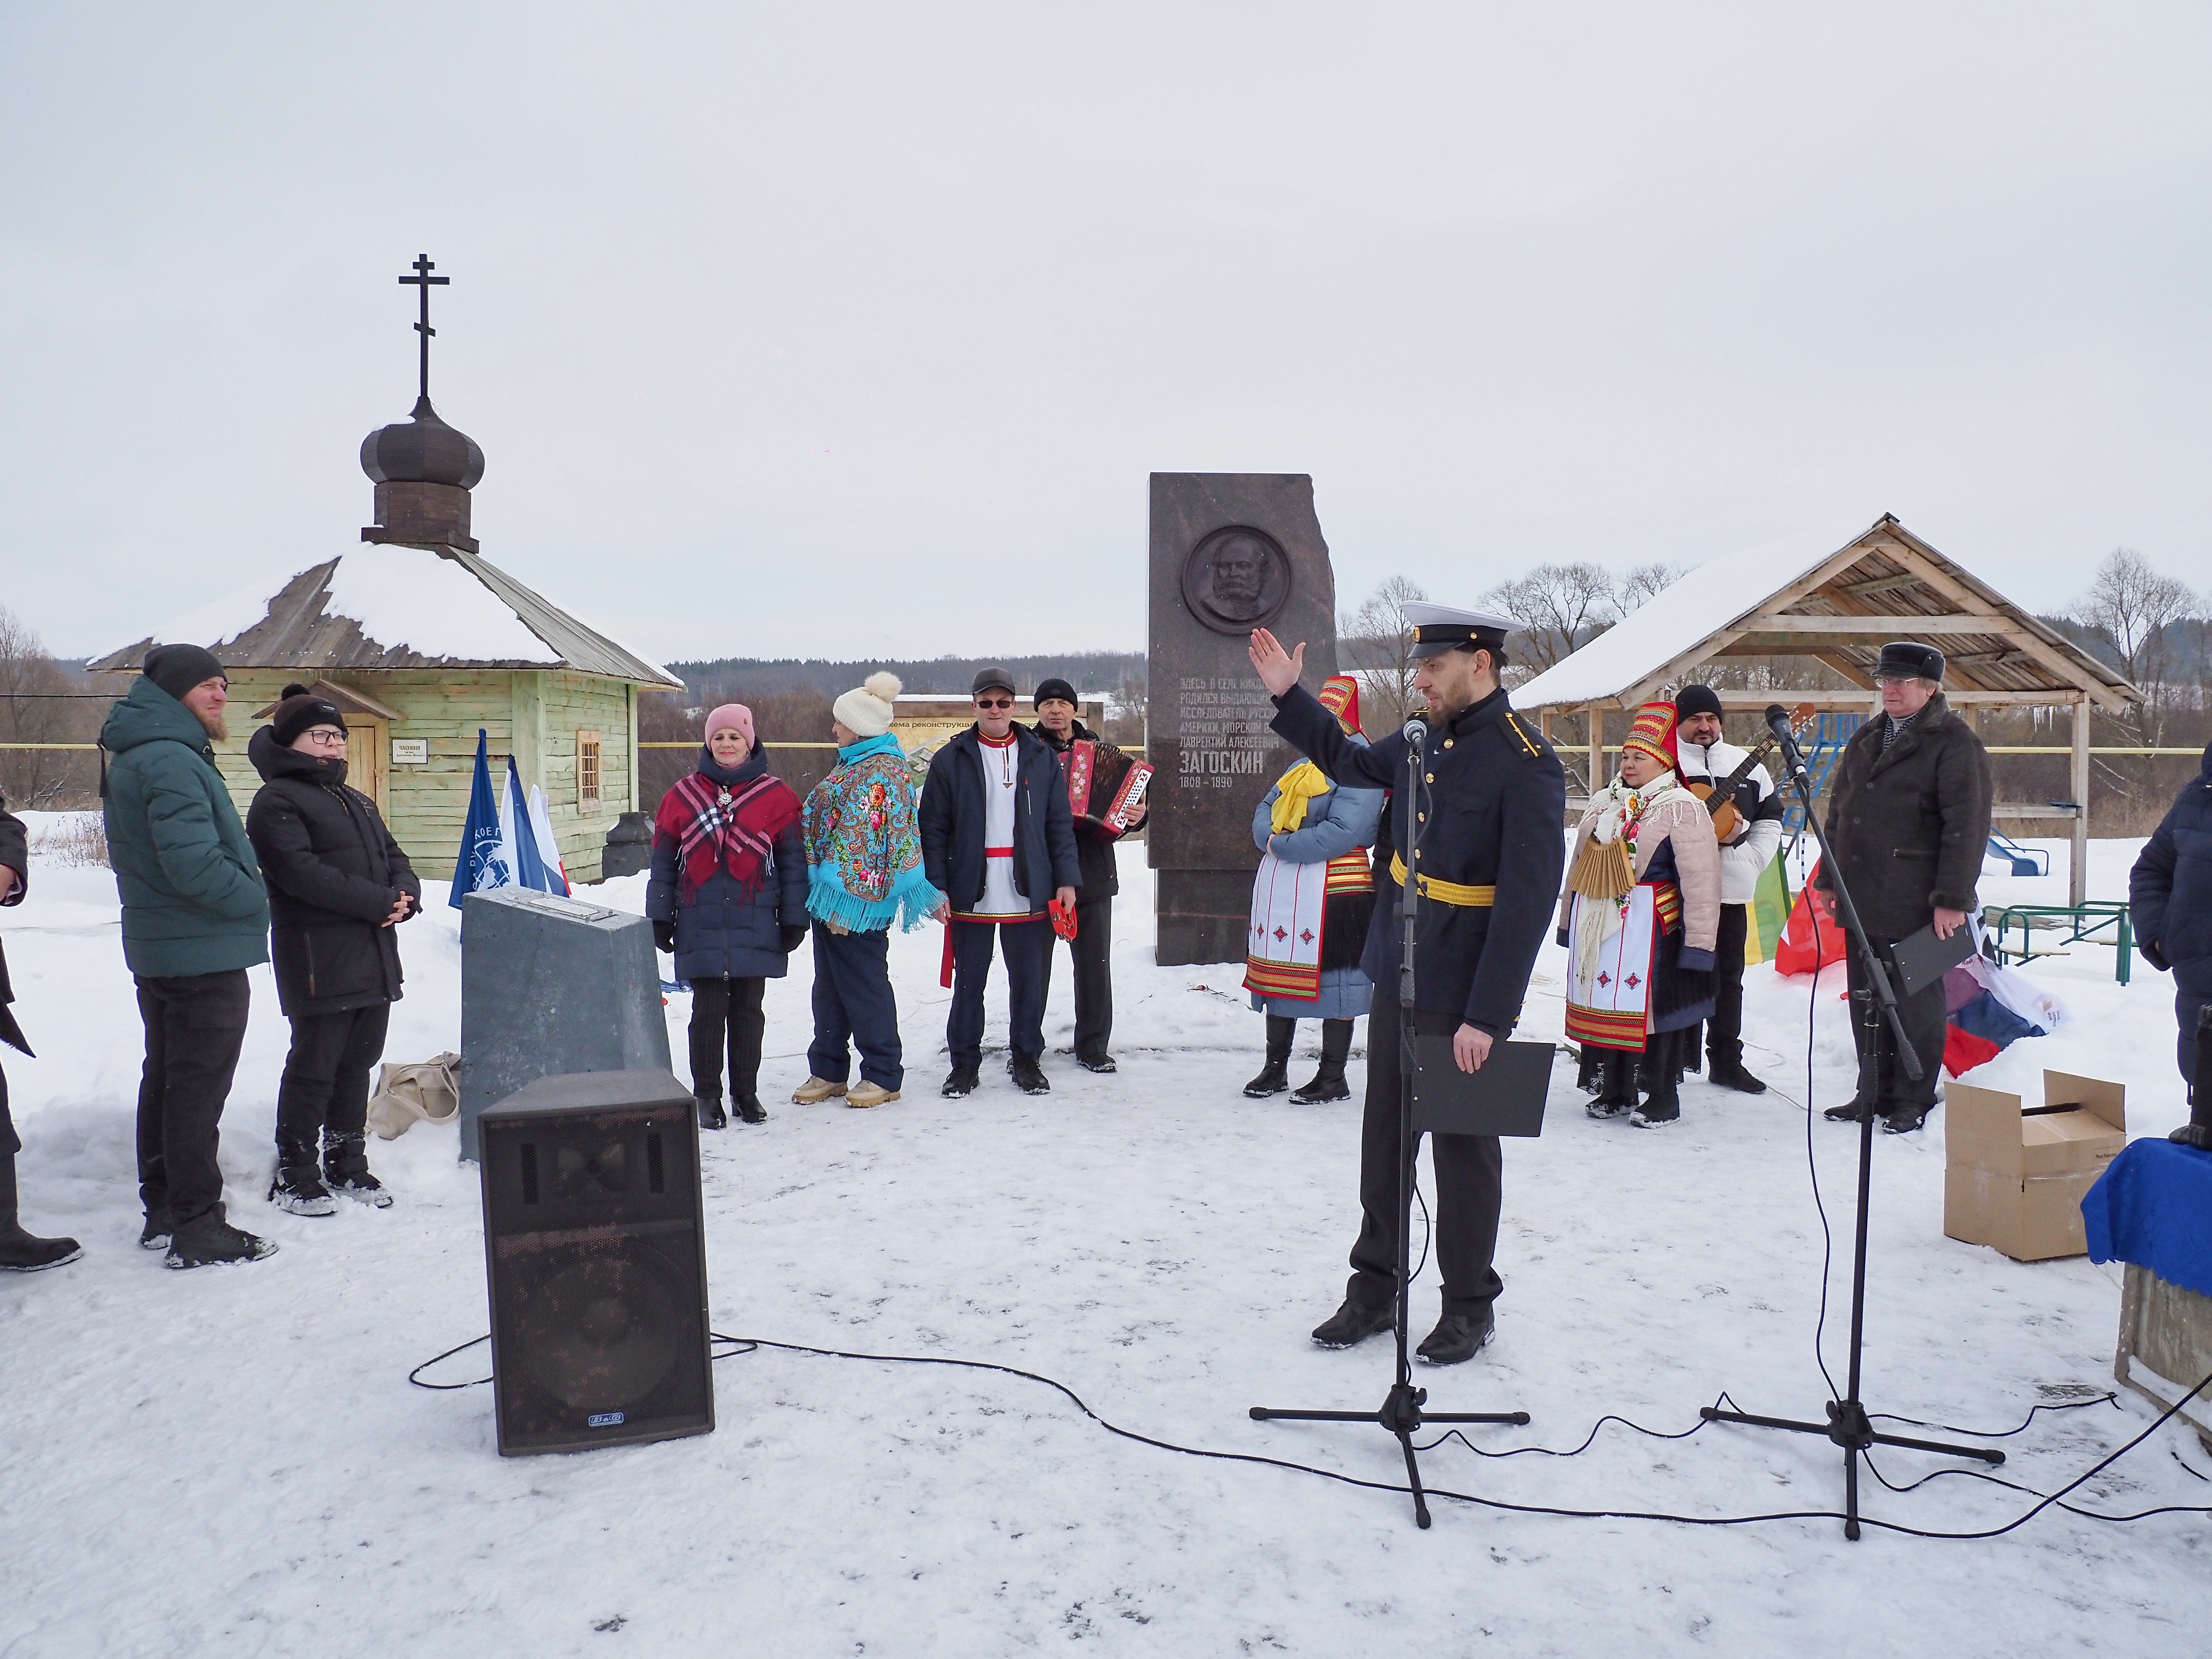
<point x="1907" y="828"/>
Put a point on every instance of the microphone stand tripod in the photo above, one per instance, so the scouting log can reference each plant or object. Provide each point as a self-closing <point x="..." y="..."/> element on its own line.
<point x="1848" y="1424"/>
<point x="1401" y="1412"/>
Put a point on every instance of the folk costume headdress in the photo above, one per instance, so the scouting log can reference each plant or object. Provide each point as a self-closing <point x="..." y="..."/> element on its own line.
<point x="1339" y="695"/>
<point x="1604" y="871"/>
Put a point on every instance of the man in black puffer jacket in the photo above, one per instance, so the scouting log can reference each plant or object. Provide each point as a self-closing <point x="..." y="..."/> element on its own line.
<point x="2170" y="903"/>
<point x="338" y="888"/>
<point x="1908" y="826"/>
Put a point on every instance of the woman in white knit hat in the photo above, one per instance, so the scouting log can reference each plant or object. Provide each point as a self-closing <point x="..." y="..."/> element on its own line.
<point x="863" y="872"/>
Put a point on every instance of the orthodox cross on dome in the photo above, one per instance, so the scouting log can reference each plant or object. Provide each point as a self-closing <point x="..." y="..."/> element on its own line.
<point x="424" y="282"/>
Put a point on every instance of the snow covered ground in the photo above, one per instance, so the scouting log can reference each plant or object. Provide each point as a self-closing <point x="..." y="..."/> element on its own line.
<point x="234" y="1462"/>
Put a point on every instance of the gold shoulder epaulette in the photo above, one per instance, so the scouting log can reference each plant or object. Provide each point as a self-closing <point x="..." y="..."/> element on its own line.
<point x="1528" y="744"/>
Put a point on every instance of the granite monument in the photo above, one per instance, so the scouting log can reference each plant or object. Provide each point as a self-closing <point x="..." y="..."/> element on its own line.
<point x="1231" y="552"/>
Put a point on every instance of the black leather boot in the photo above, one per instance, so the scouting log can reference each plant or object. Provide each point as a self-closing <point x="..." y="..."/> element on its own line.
<point x="1328" y="1082"/>
<point x="22" y="1252"/>
<point x="1275" y="1076"/>
<point x="345" y="1168"/>
<point x="709" y="1104"/>
<point x="298" y="1187"/>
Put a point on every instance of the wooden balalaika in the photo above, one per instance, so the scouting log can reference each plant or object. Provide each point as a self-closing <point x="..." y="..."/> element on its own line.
<point x="1099" y="772"/>
<point x="1720" y="797"/>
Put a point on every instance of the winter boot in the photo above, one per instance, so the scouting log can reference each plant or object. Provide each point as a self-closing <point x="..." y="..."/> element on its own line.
<point x="345" y="1168"/>
<point x="815" y="1090"/>
<point x="1457" y="1337"/>
<point x="209" y="1241"/>
<point x="1904" y="1119"/>
<point x="155" y="1235"/>
<point x="1730" y="1074"/>
<point x="1354" y="1322"/>
<point x="1856" y="1112"/>
<point x="749" y="1110"/>
<point x="22" y="1252"/>
<point x="1028" y="1077"/>
<point x="2197" y="1132"/>
<point x="1616" y="1095"/>
<point x="298" y="1187"/>
<point x="709" y="1105"/>
<point x="1275" y="1076"/>
<point x="1328" y="1082"/>
<point x="1662" y="1105"/>
<point x="960" y="1080"/>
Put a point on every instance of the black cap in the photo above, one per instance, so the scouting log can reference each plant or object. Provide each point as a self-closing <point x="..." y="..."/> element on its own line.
<point x="299" y="710"/>
<point x="1905" y="659"/>
<point x="177" y="668"/>
<point x="1047" y="690"/>
<point x="989" y="678"/>
<point x="1696" y="700"/>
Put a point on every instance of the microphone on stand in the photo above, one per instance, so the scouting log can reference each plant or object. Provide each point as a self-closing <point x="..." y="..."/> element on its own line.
<point x="1777" y="721"/>
<point x="1416" y="731"/>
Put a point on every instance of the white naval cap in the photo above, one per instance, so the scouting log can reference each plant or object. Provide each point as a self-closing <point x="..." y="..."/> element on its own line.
<point x="1441" y="627"/>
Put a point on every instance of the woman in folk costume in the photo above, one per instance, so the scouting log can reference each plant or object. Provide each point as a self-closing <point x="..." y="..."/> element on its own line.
<point x="863" y="872"/>
<point x="727" y="897"/>
<point x="1639" y="917"/>
<point x="1311" y="901"/>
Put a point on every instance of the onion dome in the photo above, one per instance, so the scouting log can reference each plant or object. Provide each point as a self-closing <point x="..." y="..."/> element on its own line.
<point x="422" y="449"/>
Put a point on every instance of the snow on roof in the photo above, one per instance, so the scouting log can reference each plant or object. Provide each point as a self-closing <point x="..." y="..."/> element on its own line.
<point x="389" y="605"/>
<point x="1671" y="622"/>
<point x="408" y="598"/>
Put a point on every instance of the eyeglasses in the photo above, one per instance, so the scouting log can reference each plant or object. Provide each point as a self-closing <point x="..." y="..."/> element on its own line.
<point x="994" y="702"/>
<point x="325" y="735"/>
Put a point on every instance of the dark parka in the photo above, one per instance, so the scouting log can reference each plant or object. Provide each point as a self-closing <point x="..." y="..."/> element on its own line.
<point x="334" y="873"/>
<point x="2170" y="889"/>
<point x="192" y="899"/>
<point x="721" y="931"/>
<point x="1094" y="849"/>
<point x="1908" y="829"/>
<point x="15" y="855"/>
<point x="1498" y="799"/>
<point x="950" y="819"/>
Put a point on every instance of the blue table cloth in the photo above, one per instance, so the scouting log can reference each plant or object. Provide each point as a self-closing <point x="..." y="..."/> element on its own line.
<point x="2153" y="1206"/>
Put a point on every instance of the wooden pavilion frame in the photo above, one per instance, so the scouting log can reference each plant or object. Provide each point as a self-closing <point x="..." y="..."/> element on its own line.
<point x="1838" y="611"/>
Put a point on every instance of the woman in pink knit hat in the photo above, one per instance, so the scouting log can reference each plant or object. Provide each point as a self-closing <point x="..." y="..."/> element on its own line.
<point x="727" y="897"/>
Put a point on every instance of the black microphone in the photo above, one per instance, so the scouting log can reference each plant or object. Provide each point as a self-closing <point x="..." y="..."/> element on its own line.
<point x="1777" y="721"/>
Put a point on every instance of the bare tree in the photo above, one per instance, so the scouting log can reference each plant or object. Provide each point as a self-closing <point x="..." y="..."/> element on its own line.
<point x="35" y="709"/>
<point x="1562" y="605"/>
<point x="2131" y="602"/>
<point x="1376" y="644"/>
<point x="1646" y="581"/>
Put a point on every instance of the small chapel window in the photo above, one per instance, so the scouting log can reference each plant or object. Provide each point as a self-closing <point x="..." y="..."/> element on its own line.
<point x="588" y="771"/>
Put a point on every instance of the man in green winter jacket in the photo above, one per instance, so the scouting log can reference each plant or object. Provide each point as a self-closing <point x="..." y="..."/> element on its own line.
<point x="195" y="917"/>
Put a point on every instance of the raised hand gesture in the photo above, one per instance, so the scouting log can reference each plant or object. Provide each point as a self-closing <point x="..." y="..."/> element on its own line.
<point x="1278" y="669"/>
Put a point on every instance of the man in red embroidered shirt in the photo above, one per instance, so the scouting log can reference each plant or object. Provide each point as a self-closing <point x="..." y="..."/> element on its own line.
<point x="998" y="841"/>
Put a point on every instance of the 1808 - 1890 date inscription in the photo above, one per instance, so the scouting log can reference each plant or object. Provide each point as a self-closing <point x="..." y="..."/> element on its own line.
<point x="1221" y="728"/>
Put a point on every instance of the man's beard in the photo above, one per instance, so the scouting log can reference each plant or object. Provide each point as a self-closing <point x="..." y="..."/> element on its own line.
<point x="215" y="726"/>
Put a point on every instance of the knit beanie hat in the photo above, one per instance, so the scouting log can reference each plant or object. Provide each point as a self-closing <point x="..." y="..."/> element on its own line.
<point x="300" y="709"/>
<point x="732" y="716"/>
<point x="1653" y="733"/>
<point x="1697" y="700"/>
<point x="177" y="668"/>
<point x="868" y="708"/>
<point x="1047" y="690"/>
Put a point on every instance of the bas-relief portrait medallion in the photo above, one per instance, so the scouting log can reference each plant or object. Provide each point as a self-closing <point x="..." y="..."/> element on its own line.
<point x="1236" y="578"/>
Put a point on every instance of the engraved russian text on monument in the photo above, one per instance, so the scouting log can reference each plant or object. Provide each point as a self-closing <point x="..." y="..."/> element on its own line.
<point x="1221" y="730"/>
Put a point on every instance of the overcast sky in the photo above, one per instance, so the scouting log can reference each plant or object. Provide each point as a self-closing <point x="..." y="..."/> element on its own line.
<point x="827" y="330"/>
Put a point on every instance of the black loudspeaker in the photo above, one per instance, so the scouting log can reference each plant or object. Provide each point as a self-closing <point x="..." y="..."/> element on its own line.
<point x="597" y="1263"/>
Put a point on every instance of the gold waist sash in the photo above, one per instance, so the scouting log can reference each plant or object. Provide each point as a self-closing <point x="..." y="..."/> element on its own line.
<point x="1447" y="892"/>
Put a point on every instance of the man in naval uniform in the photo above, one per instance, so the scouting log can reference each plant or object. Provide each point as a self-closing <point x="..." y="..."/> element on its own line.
<point x="1490" y="845"/>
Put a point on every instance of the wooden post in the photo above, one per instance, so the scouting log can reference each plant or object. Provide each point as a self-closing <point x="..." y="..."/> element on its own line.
<point x="1596" y="748"/>
<point x="2077" y="865"/>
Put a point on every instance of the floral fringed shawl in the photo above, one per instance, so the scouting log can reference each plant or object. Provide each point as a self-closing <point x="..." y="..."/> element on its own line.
<point x="863" y="850"/>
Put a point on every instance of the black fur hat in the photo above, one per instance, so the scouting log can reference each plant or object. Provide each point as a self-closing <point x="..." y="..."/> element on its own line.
<point x="1903" y="659"/>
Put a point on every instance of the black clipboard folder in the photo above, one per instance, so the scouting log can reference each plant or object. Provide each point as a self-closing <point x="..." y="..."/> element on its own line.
<point x="1505" y="1097"/>
<point x="1922" y="958"/>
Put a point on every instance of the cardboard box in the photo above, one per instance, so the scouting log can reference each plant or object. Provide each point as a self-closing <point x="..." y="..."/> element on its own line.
<point x="2016" y="1175"/>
